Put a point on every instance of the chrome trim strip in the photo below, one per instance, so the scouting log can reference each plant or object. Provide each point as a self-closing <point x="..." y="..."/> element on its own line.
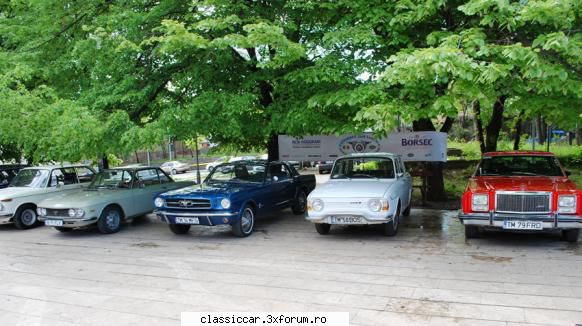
<point x="194" y="214"/>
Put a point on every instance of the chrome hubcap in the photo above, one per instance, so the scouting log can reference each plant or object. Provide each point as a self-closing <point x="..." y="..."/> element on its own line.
<point x="28" y="217"/>
<point x="112" y="220"/>
<point x="247" y="221"/>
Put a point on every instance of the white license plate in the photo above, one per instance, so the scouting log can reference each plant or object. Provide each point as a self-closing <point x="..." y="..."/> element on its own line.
<point x="522" y="225"/>
<point x="53" y="223"/>
<point x="346" y="220"/>
<point x="187" y="220"/>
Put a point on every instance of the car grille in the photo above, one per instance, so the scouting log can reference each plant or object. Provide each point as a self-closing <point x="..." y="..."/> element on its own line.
<point x="523" y="202"/>
<point x="57" y="212"/>
<point x="189" y="203"/>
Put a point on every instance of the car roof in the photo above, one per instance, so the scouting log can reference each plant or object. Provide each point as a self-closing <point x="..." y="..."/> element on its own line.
<point x="55" y="166"/>
<point x="132" y="168"/>
<point x="518" y="153"/>
<point x="378" y="154"/>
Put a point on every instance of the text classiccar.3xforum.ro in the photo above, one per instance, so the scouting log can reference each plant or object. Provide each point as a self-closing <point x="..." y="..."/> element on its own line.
<point x="270" y="319"/>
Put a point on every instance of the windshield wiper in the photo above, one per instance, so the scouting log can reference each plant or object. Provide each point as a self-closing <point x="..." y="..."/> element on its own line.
<point x="524" y="173"/>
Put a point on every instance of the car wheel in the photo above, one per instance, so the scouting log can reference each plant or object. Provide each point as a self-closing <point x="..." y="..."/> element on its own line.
<point x="471" y="231"/>
<point x="246" y="223"/>
<point x="391" y="228"/>
<point x="300" y="203"/>
<point x="179" y="228"/>
<point x="62" y="229"/>
<point x="25" y="217"/>
<point x="406" y="212"/>
<point x="571" y="235"/>
<point x="322" y="228"/>
<point x="174" y="172"/>
<point x="110" y="220"/>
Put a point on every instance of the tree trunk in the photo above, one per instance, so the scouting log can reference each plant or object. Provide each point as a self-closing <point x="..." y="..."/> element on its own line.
<point x="436" y="183"/>
<point x="578" y="136"/>
<point x="136" y="157"/>
<point x="517" y="131"/>
<point x="104" y="163"/>
<point x="479" y="125"/>
<point x="494" y="126"/>
<point x="542" y="130"/>
<point x="273" y="147"/>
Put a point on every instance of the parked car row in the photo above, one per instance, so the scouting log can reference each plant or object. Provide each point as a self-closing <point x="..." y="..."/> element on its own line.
<point x="511" y="191"/>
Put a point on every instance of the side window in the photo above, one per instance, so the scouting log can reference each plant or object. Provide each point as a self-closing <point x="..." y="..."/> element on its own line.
<point x="69" y="176"/>
<point x="56" y="177"/>
<point x="163" y="177"/>
<point x="278" y="170"/>
<point x="84" y="174"/>
<point x="148" y="177"/>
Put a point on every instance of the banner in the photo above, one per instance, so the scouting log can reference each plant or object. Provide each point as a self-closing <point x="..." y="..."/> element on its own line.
<point x="427" y="146"/>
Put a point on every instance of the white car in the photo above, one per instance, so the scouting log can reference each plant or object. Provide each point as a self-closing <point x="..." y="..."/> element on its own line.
<point x="371" y="188"/>
<point x="242" y="158"/>
<point x="217" y="162"/>
<point x="175" y="167"/>
<point x="19" y="201"/>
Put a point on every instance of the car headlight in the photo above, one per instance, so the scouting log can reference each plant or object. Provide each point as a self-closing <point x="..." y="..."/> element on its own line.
<point x="76" y="212"/>
<point x="315" y="204"/>
<point x="41" y="211"/>
<point x="480" y="203"/>
<point x="567" y="204"/>
<point x="159" y="202"/>
<point x="377" y="205"/>
<point x="225" y="203"/>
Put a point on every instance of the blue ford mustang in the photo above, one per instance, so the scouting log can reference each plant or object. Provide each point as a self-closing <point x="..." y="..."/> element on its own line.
<point x="234" y="194"/>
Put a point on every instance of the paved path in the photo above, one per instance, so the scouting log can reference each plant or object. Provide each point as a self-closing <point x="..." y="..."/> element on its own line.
<point x="426" y="275"/>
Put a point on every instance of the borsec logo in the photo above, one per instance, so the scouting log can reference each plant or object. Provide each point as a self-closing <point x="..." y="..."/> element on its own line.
<point x="359" y="144"/>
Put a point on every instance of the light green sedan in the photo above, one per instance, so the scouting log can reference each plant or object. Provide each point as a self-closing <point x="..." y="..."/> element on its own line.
<point x="114" y="196"/>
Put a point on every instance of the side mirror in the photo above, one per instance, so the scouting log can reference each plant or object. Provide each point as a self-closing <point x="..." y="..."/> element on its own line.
<point x="275" y="178"/>
<point x="400" y="174"/>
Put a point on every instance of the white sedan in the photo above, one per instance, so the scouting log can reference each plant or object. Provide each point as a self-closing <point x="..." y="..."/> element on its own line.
<point x="371" y="188"/>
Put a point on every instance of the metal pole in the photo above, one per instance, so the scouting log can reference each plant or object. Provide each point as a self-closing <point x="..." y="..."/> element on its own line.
<point x="548" y="138"/>
<point x="197" y="162"/>
<point x="149" y="161"/>
<point x="533" y="134"/>
<point x="170" y="147"/>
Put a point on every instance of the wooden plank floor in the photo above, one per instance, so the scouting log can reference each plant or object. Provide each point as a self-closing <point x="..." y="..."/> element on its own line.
<point x="427" y="275"/>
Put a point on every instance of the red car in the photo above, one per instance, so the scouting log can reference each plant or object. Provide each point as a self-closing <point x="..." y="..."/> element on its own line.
<point x="521" y="191"/>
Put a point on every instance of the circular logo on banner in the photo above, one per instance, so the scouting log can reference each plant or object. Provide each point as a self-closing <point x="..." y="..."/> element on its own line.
<point x="359" y="144"/>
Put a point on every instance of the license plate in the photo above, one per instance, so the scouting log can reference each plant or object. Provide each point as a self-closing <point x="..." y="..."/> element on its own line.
<point x="53" y="223"/>
<point x="187" y="220"/>
<point x="346" y="219"/>
<point x="522" y="225"/>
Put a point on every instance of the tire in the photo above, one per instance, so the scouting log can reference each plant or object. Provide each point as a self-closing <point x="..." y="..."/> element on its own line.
<point x="180" y="228"/>
<point x="174" y="172"/>
<point x="110" y="220"/>
<point x="62" y="229"/>
<point x="571" y="235"/>
<point x="246" y="223"/>
<point x="25" y="217"/>
<point x="322" y="228"/>
<point x="391" y="228"/>
<point x="471" y="231"/>
<point x="300" y="203"/>
<point x="406" y="212"/>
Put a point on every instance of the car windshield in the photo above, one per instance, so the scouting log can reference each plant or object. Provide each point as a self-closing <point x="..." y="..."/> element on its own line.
<point x="239" y="172"/>
<point x="32" y="178"/>
<point x="519" y="165"/>
<point x="363" y="168"/>
<point x="112" y="179"/>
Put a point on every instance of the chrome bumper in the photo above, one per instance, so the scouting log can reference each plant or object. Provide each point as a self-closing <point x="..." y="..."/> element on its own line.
<point x="549" y="221"/>
<point x="6" y="218"/>
<point x="365" y="220"/>
<point x="206" y="218"/>
<point x="70" y="222"/>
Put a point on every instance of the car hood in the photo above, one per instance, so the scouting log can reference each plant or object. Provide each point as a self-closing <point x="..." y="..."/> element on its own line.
<point x="352" y="188"/>
<point x="213" y="190"/>
<point x="82" y="199"/>
<point x="521" y="184"/>
<point x="12" y="192"/>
